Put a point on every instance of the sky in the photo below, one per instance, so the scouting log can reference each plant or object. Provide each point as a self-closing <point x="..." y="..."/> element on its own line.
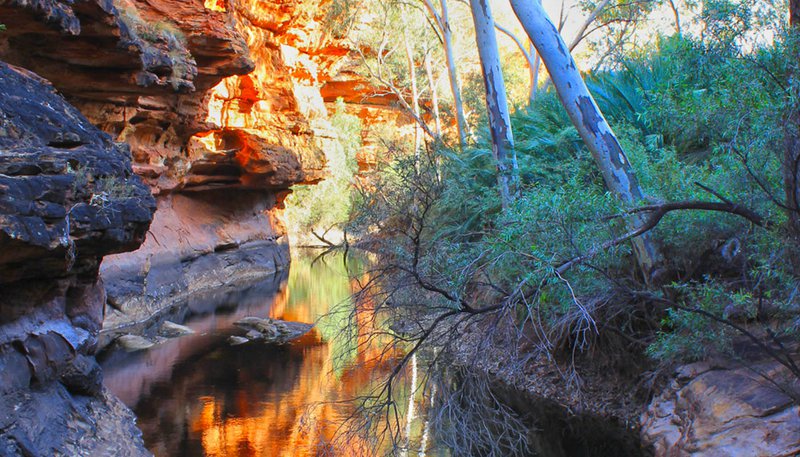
<point x="662" y="20"/>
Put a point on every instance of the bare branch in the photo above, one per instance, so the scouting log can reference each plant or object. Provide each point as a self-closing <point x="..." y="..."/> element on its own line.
<point x="581" y="34"/>
<point x="657" y="213"/>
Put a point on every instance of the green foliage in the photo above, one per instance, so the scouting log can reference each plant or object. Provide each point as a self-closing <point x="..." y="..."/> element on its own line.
<point x="692" y="336"/>
<point x="700" y="120"/>
<point x="328" y="203"/>
<point x="112" y="187"/>
<point x="99" y="190"/>
<point x="709" y="112"/>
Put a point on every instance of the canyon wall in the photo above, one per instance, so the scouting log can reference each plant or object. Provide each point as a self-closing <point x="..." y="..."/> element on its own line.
<point x="67" y="197"/>
<point x="146" y="148"/>
<point x="220" y="104"/>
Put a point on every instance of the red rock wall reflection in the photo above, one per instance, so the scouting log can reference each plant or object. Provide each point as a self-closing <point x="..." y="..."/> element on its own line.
<point x="262" y="400"/>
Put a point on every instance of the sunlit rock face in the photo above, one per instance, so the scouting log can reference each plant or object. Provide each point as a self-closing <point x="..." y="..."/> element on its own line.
<point x="219" y="102"/>
<point x="264" y="117"/>
<point x="224" y="106"/>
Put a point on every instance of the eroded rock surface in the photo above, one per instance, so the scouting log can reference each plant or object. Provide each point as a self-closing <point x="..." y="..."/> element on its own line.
<point x="67" y="197"/>
<point x="208" y="97"/>
<point x="198" y="244"/>
<point x="719" y="411"/>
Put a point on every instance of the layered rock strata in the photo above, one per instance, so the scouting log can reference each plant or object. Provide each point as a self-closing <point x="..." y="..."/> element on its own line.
<point x="67" y="198"/>
<point x="220" y="108"/>
<point x="219" y="102"/>
<point x="723" y="410"/>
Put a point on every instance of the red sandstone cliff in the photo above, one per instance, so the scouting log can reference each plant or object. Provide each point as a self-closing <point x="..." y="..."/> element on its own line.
<point x="224" y="106"/>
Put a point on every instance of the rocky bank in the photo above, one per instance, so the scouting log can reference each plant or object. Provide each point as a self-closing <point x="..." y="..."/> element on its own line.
<point x="721" y="408"/>
<point x="67" y="198"/>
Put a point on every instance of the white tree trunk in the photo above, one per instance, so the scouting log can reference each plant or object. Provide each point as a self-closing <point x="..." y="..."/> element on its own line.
<point x="443" y="23"/>
<point x="434" y="93"/>
<point x="447" y="34"/>
<point x="496" y="103"/>
<point x="412" y="74"/>
<point x="588" y="120"/>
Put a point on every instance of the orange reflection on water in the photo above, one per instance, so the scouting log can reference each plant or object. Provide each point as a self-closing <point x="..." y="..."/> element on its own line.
<point x="302" y="422"/>
<point x="198" y="395"/>
<point x="302" y="417"/>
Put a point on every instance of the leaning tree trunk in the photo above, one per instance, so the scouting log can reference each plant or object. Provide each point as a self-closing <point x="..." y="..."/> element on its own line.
<point x="588" y="120"/>
<point x="496" y="103"/>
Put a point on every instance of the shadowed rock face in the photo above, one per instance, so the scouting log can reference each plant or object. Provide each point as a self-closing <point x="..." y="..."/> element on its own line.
<point x="67" y="197"/>
<point x="68" y="193"/>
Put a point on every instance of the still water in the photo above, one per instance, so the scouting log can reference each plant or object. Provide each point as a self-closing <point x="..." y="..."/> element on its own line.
<point x="198" y="395"/>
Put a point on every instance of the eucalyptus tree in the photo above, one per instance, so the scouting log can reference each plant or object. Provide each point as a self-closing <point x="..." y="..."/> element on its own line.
<point x="589" y="121"/>
<point x="441" y="20"/>
<point x="496" y="102"/>
<point x="412" y="75"/>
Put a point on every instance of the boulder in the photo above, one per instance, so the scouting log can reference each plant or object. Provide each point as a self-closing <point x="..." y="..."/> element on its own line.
<point x="237" y="340"/>
<point x="272" y="330"/>
<point x="132" y="343"/>
<point x="715" y="411"/>
<point x="170" y="329"/>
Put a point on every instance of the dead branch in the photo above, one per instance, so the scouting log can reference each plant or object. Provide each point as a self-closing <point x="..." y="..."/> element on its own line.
<point x="657" y="212"/>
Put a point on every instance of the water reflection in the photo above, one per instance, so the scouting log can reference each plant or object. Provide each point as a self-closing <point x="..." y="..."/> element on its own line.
<point x="200" y="396"/>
